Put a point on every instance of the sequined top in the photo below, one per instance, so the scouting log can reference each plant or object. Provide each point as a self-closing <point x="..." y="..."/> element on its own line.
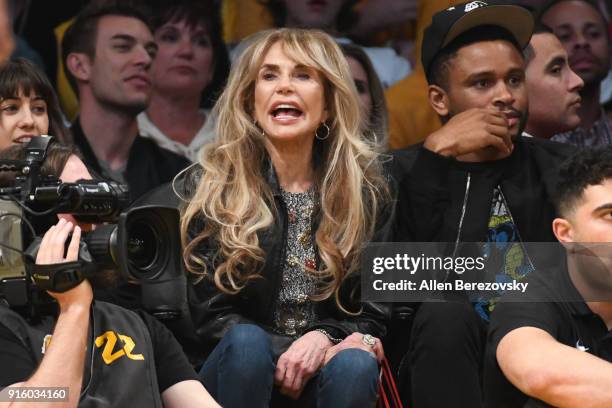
<point x="294" y="309"/>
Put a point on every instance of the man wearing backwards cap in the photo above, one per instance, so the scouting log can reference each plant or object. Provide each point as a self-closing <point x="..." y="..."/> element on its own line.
<point x="474" y="180"/>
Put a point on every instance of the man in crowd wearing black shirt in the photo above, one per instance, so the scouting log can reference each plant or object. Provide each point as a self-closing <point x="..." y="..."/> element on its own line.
<point x="105" y="355"/>
<point x="108" y="51"/>
<point x="560" y="351"/>
<point x="474" y="180"/>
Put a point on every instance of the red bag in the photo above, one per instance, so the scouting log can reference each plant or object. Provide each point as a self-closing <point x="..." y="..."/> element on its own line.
<point x="388" y="396"/>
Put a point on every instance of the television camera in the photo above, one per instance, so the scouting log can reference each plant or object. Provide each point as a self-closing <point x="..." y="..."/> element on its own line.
<point x="141" y="243"/>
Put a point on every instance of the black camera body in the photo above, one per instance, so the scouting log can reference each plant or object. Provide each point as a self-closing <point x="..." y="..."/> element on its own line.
<point x="142" y="243"/>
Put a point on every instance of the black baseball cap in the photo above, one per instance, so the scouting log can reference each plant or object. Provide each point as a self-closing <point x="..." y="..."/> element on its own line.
<point x="448" y="24"/>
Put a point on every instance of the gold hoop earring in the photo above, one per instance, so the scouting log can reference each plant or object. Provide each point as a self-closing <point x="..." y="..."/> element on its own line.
<point x="326" y="134"/>
<point x="263" y="134"/>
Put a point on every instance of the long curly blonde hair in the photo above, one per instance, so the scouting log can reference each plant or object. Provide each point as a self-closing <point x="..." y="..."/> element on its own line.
<point x="233" y="201"/>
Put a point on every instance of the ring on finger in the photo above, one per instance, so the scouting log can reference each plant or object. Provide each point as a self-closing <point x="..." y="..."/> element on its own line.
<point x="368" y="340"/>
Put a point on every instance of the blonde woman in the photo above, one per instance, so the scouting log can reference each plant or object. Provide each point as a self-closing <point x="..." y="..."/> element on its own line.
<point x="282" y="205"/>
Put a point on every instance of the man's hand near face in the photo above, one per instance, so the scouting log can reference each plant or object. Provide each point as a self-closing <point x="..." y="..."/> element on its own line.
<point x="472" y="131"/>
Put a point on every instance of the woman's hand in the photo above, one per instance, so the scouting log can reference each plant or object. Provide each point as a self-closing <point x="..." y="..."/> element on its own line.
<point x="51" y="251"/>
<point x="300" y="362"/>
<point x="355" y="340"/>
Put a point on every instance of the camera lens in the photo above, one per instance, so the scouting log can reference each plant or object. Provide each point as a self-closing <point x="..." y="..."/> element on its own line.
<point x="143" y="246"/>
<point x="144" y="250"/>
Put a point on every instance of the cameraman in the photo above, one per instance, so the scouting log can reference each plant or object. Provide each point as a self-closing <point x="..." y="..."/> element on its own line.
<point x="105" y="355"/>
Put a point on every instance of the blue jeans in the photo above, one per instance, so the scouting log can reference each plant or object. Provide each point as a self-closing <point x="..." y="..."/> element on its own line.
<point x="240" y="373"/>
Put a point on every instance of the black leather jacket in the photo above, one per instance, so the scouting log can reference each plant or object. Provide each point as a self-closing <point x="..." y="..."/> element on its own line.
<point x="214" y="312"/>
<point x="443" y="200"/>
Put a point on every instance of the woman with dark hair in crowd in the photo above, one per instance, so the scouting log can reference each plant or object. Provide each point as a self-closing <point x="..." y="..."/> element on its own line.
<point x="279" y="210"/>
<point x="370" y="92"/>
<point x="188" y="73"/>
<point x="28" y="105"/>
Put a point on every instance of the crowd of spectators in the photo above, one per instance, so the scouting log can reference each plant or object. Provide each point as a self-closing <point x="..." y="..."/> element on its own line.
<point x="291" y="133"/>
